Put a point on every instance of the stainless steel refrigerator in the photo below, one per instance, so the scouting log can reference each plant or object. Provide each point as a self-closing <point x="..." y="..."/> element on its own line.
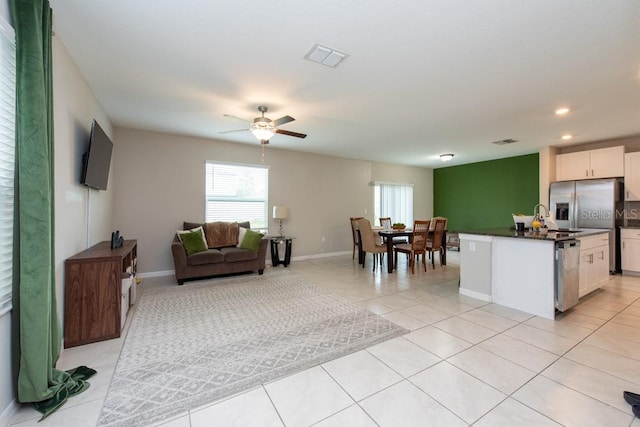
<point x="592" y="203"/>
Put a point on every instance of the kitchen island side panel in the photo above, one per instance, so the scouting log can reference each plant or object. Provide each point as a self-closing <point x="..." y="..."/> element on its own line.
<point x="524" y="275"/>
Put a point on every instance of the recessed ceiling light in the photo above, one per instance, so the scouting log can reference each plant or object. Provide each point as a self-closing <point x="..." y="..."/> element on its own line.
<point x="567" y="136"/>
<point x="446" y="157"/>
<point x="562" y="111"/>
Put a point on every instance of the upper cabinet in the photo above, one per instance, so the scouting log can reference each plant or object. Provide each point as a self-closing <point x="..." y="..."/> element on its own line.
<point x="601" y="163"/>
<point x="632" y="176"/>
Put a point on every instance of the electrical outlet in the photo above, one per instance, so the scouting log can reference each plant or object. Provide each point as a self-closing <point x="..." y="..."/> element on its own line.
<point x="365" y="211"/>
<point x="472" y="246"/>
<point x="323" y="239"/>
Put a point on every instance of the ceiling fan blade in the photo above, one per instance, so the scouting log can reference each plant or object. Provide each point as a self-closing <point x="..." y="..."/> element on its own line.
<point x="283" y="120"/>
<point x="232" y="131"/>
<point x="287" y="132"/>
<point x="231" y="116"/>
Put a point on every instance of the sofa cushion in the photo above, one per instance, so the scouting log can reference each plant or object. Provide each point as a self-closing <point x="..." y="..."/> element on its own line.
<point x="198" y="229"/>
<point x="193" y="241"/>
<point x="210" y="256"/>
<point x="251" y="241"/>
<point x="241" y="232"/>
<point x="234" y="254"/>
<point x="220" y="234"/>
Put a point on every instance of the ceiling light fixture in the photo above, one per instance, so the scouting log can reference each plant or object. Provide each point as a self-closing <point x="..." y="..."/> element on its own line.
<point x="262" y="127"/>
<point x="446" y="157"/>
<point x="562" y="111"/>
<point x="567" y="137"/>
<point x="262" y="130"/>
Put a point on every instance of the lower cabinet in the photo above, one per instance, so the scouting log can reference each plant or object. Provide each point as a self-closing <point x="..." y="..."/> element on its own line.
<point x="630" y="239"/>
<point x="99" y="287"/>
<point x="594" y="262"/>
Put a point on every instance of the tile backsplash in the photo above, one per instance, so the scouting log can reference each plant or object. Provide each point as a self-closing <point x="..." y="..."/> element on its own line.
<point x="632" y="214"/>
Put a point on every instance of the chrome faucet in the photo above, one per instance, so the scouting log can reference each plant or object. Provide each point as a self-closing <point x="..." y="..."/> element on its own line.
<point x="537" y="208"/>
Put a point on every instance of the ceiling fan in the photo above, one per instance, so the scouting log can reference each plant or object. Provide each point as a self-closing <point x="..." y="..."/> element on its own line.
<point x="264" y="128"/>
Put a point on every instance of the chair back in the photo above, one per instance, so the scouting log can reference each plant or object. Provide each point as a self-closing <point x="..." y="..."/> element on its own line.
<point x="385" y="223"/>
<point x="420" y="234"/>
<point x="438" y="232"/>
<point x="366" y="234"/>
<point x="432" y="226"/>
<point x="354" y="232"/>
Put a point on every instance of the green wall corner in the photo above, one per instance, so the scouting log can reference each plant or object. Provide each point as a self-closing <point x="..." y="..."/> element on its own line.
<point x="485" y="194"/>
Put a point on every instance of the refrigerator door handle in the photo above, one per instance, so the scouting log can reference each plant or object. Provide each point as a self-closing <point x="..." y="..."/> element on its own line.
<point x="574" y="214"/>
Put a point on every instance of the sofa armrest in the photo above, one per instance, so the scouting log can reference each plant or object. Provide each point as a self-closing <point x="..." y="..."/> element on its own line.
<point x="179" y="258"/>
<point x="262" y="251"/>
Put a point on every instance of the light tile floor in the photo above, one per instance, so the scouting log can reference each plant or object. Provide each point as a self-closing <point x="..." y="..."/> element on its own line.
<point x="465" y="362"/>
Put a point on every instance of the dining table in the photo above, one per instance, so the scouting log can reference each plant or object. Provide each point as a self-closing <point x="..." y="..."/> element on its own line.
<point x="388" y="235"/>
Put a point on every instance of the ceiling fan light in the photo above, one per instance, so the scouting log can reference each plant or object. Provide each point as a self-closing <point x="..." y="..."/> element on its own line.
<point x="446" y="157"/>
<point x="262" y="130"/>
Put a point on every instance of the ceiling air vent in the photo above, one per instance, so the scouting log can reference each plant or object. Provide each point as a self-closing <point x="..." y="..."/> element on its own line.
<point x="325" y="55"/>
<point x="505" y="141"/>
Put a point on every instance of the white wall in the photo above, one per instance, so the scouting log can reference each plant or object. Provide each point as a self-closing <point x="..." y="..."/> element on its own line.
<point x="159" y="181"/>
<point x="74" y="108"/>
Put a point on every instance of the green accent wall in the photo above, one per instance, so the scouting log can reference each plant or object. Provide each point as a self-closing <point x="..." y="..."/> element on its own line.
<point x="485" y="194"/>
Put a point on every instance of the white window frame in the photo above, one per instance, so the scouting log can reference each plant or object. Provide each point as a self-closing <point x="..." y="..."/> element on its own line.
<point x="259" y="195"/>
<point x="394" y="200"/>
<point x="7" y="160"/>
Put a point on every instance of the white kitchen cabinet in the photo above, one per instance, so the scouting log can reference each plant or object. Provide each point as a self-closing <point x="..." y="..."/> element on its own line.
<point x="630" y="238"/>
<point x="594" y="262"/>
<point x="600" y="163"/>
<point x="632" y="176"/>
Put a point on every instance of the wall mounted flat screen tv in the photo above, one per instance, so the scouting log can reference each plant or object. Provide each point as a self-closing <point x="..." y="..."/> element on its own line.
<point x="97" y="159"/>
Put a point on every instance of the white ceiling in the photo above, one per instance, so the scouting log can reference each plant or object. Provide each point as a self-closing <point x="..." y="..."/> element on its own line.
<point x="423" y="77"/>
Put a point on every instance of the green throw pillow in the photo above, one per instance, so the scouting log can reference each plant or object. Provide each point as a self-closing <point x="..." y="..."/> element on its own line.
<point x="251" y="241"/>
<point x="193" y="242"/>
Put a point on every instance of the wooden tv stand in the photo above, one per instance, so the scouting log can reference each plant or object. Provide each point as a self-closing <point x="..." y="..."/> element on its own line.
<point x="93" y="297"/>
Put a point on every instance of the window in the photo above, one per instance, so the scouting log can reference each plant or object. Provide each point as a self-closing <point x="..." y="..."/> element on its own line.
<point x="7" y="156"/>
<point x="237" y="193"/>
<point x="394" y="201"/>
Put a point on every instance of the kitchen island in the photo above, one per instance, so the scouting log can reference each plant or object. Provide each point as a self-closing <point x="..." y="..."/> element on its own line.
<point x="517" y="269"/>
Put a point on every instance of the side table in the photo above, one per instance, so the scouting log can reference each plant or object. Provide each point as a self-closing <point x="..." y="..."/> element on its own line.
<point x="275" y="256"/>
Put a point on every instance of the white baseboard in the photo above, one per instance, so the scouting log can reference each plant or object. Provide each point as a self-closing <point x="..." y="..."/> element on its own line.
<point x="327" y="255"/>
<point x="476" y="295"/>
<point x="8" y="414"/>
<point x="156" y="274"/>
<point x="163" y="273"/>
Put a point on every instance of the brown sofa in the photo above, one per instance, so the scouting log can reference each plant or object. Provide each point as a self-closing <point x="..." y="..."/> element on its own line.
<point x="222" y="257"/>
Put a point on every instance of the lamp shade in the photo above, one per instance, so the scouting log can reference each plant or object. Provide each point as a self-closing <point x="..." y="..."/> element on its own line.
<point x="280" y="212"/>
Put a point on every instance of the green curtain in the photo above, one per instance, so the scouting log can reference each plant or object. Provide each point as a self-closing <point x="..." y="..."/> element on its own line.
<point x="36" y="336"/>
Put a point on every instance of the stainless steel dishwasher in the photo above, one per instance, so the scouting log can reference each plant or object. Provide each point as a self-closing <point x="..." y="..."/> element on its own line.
<point x="567" y="275"/>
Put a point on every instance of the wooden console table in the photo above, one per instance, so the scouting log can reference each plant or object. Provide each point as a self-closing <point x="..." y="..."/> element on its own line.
<point x="93" y="292"/>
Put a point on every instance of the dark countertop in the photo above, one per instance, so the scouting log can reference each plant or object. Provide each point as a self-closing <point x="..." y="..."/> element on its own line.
<point x="552" y="236"/>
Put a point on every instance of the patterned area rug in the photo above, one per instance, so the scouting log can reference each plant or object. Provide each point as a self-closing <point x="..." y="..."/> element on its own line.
<point x="194" y="344"/>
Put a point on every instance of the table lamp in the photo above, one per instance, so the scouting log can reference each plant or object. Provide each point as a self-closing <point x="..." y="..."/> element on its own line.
<point x="280" y="213"/>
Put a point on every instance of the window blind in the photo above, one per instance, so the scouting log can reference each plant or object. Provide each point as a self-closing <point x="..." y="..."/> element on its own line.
<point x="394" y="201"/>
<point x="237" y="193"/>
<point x="7" y="156"/>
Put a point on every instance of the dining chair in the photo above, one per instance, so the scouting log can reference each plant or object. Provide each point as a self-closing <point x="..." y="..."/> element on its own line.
<point x="386" y="223"/>
<point x="437" y="244"/>
<point x="432" y="227"/>
<point x="354" y="233"/>
<point x="417" y="246"/>
<point x="369" y="243"/>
